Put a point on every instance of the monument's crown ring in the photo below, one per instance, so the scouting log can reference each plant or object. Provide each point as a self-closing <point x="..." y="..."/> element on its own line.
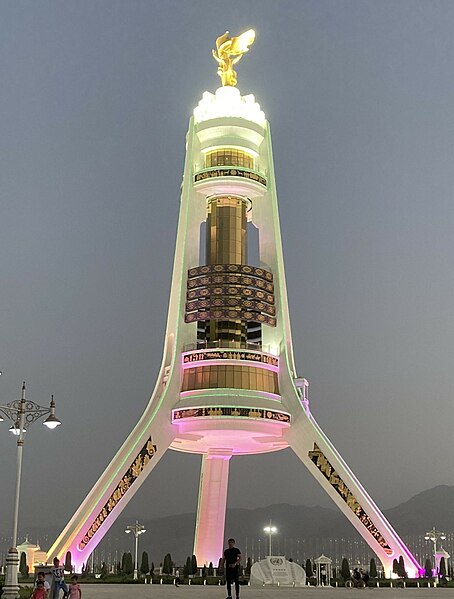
<point x="230" y="412"/>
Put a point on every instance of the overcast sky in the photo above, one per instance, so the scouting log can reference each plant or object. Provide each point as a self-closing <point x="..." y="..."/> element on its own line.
<point x="94" y="106"/>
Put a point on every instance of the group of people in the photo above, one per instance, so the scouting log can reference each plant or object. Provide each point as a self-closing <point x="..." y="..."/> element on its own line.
<point x="360" y="578"/>
<point x="44" y="590"/>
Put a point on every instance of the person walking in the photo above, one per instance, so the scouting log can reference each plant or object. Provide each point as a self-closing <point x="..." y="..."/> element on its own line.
<point x="231" y="562"/>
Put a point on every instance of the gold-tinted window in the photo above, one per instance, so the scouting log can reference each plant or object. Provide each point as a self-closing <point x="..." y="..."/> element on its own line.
<point x="229" y="157"/>
<point x="230" y="377"/>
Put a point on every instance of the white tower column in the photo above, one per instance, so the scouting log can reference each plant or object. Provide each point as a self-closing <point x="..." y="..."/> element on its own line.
<point x="214" y="478"/>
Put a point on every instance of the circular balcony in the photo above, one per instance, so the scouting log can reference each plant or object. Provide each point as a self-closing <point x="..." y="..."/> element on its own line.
<point x="230" y="179"/>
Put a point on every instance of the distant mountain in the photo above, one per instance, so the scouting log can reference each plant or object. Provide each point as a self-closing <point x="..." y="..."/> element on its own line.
<point x="174" y="534"/>
<point x="434" y="507"/>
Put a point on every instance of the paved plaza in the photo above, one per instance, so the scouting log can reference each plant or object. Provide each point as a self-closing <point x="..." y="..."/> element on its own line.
<point x="157" y="591"/>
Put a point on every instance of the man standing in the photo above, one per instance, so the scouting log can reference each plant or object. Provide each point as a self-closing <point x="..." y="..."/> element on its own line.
<point x="231" y="562"/>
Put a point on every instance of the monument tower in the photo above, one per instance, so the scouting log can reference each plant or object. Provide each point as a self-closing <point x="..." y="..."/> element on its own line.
<point x="228" y="385"/>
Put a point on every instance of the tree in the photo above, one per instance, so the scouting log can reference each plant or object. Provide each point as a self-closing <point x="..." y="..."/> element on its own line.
<point x="395" y="567"/>
<point x="373" y="568"/>
<point x="211" y="568"/>
<point x="168" y="564"/>
<point x="68" y="565"/>
<point x="187" y="567"/>
<point x="442" y="568"/>
<point x="345" y="569"/>
<point x="248" y="566"/>
<point x="23" y="568"/>
<point x="221" y="566"/>
<point x="123" y="563"/>
<point x="144" y="565"/>
<point x="104" y="570"/>
<point x="152" y="568"/>
<point x="204" y="572"/>
<point x="308" y="568"/>
<point x="128" y="566"/>
<point x="428" y="569"/>
<point x="194" y="565"/>
<point x="401" y="568"/>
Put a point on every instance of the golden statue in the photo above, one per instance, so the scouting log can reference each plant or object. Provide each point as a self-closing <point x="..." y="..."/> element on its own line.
<point x="226" y="48"/>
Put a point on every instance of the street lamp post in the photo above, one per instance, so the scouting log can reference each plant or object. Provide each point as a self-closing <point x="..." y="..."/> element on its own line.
<point x="433" y="535"/>
<point x="22" y="413"/>
<point x="270" y="530"/>
<point x="137" y="529"/>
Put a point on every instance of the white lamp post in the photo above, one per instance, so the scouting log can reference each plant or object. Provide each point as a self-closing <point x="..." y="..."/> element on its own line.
<point x="433" y="535"/>
<point x="270" y="530"/>
<point x="22" y="413"/>
<point x="137" y="529"/>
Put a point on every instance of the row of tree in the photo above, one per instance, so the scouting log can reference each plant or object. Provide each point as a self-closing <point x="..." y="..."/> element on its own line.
<point x="126" y="567"/>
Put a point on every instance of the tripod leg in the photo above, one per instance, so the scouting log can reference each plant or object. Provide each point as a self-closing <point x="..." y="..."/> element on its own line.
<point x="323" y="461"/>
<point x="116" y="486"/>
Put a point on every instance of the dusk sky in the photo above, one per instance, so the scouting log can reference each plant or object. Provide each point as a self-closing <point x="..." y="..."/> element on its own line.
<point x="94" y="106"/>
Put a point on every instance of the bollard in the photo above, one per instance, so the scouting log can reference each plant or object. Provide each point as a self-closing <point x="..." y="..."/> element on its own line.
<point x="189" y="581"/>
<point x="204" y="581"/>
<point x="391" y="584"/>
<point x="160" y="581"/>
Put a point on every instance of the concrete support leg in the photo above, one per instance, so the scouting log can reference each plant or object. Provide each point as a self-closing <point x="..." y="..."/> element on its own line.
<point x="209" y="534"/>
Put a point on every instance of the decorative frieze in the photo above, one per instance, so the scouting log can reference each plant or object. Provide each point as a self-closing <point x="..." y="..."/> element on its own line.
<point x="131" y="475"/>
<point x="322" y="463"/>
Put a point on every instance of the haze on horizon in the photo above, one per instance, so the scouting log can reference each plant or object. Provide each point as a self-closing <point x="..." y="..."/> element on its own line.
<point x="95" y="104"/>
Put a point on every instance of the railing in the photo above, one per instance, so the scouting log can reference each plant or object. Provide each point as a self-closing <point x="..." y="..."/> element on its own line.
<point x="230" y="171"/>
<point x="226" y="345"/>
